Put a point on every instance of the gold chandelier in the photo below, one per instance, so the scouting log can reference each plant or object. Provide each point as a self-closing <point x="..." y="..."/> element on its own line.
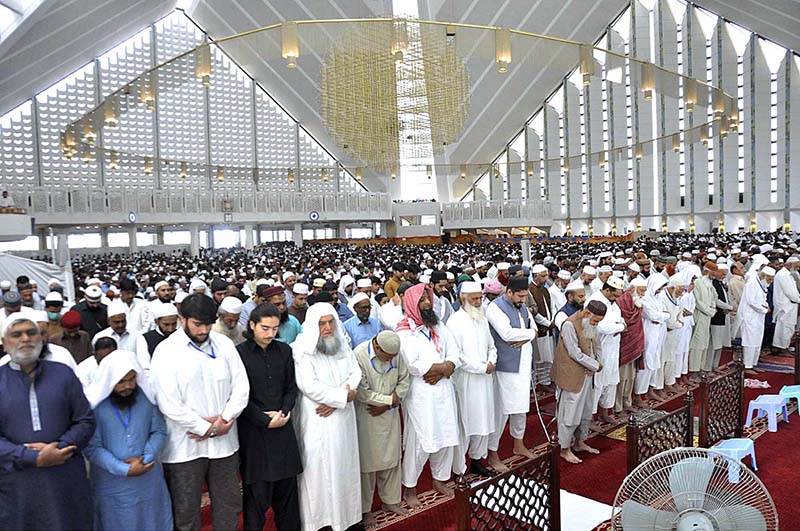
<point x="393" y="83"/>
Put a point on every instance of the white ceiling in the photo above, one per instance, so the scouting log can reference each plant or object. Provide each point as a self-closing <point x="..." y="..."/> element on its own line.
<point x="59" y="36"/>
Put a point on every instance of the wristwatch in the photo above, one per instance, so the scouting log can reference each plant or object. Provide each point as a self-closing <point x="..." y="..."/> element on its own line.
<point x="213" y="431"/>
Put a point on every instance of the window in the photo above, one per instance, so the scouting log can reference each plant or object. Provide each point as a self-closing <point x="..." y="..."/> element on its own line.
<point x="711" y="139"/>
<point x="681" y="122"/>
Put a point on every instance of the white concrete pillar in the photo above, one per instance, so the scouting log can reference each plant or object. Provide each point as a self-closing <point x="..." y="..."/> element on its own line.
<point x="248" y="237"/>
<point x="62" y="255"/>
<point x="133" y="247"/>
<point x="104" y="237"/>
<point x="211" y="236"/>
<point x="194" y="244"/>
<point x="297" y="234"/>
<point x="341" y="230"/>
<point x="160" y="235"/>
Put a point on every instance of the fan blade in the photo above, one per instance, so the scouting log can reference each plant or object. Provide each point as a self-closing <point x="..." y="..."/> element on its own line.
<point x="688" y="481"/>
<point x="740" y="518"/>
<point x="638" y="517"/>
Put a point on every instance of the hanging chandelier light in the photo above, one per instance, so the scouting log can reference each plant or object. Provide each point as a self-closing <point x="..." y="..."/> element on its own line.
<point x="502" y="49"/>
<point x="290" y="46"/>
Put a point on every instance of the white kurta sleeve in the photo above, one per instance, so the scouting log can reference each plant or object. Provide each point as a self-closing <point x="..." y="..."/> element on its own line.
<point x="142" y="352"/>
<point x="313" y="388"/>
<point x="754" y="298"/>
<point x="502" y="326"/>
<point x="652" y="313"/>
<point x="170" y="402"/>
<point x="467" y="362"/>
<point x="610" y="326"/>
<point x="452" y="351"/>
<point x="418" y="365"/>
<point x="240" y="387"/>
<point x="354" y="377"/>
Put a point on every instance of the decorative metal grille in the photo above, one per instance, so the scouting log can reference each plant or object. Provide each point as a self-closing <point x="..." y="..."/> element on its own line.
<point x="524" y="498"/>
<point x="651" y="432"/>
<point x="721" y="406"/>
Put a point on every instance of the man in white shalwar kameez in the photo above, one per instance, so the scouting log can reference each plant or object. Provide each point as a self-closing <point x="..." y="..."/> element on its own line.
<point x="670" y="299"/>
<point x="687" y="302"/>
<point x="327" y="375"/>
<point x="750" y="315"/>
<point x="608" y="332"/>
<point x="558" y="291"/>
<point x="654" y="321"/>
<point x="474" y="380"/>
<point x="430" y="413"/>
<point x="785" y="300"/>
<point x="513" y="340"/>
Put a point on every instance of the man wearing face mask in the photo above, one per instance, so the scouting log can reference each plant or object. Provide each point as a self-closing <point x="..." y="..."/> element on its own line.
<point x="201" y="388"/>
<point x="166" y="323"/>
<point x="631" y="345"/>
<point x="45" y="422"/>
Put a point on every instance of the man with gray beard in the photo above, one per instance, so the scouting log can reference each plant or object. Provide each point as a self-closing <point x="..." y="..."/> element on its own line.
<point x="327" y="375"/>
<point x="574" y="365"/>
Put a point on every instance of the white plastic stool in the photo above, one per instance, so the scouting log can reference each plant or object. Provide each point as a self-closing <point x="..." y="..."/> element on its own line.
<point x="771" y="406"/>
<point x="736" y="450"/>
<point x="791" y="391"/>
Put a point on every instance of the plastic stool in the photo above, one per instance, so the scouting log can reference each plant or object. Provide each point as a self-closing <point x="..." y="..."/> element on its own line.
<point x="791" y="391"/>
<point x="736" y="450"/>
<point x="771" y="406"/>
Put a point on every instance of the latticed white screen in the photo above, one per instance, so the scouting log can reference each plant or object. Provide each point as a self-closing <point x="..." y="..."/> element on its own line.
<point x="135" y="133"/>
<point x="17" y="154"/>
<point x="181" y="105"/>
<point x="59" y="105"/>
<point x="275" y="148"/>
<point x="230" y="98"/>
<point x="232" y="123"/>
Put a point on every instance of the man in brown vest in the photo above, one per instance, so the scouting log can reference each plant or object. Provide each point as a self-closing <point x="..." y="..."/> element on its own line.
<point x="574" y="366"/>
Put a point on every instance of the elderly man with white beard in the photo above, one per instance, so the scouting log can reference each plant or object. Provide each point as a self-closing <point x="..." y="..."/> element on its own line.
<point x="785" y="299"/>
<point x="474" y="380"/>
<point x="631" y="345"/>
<point x="750" y="316"/>
<point x="327" y="375"/>
<point x="664" y="377"/>
<point x="574" y="366"/>
<point x="608" y="338"/>
<point x="557" y="291"/>
<point x="429" y="410"/>
<point x="654" y="319"/>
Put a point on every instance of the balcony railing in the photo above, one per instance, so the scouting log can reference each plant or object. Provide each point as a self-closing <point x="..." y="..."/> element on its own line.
<point x="287" y="205"/>
<point x="510" y="212"/>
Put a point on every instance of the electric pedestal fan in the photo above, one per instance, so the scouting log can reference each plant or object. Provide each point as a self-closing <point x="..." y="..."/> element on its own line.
<point x="693" y="489"/>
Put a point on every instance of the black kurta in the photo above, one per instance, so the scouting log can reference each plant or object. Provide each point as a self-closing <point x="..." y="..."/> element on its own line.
<point x="92" y="319"/>
<point x="153" y="338"/>
<point x="268" y="454"/>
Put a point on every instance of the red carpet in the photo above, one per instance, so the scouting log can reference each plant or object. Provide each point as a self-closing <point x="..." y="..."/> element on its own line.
<point x="599" y="477"/>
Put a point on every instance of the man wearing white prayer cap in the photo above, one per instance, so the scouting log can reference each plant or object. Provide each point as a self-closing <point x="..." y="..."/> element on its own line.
<point x="228" y="321"/>
<point x="299" y="305"/>
<point x="750" y="316"/>
<point x="720" y="322"/>
<point x="543" y="316"/>
<point x="557" y="290"/>
<point x="588" y="274"/>
<point x="126" y="339"/>
<point x="474" y="379"/>
<point x="127" y="477"/>
<point x="165" y="294"/>
<point x="603" y="274"/>
<point x="608" y="337"/>
<point x="785" y="301"/>
<point x="364" y="285"/>
<point x="48" y="351"/>
<point x="289" y="279"/>
<point x="166" y="318"/>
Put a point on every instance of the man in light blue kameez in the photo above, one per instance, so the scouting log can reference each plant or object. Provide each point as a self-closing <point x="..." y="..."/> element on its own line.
<point x="127" y="479"/>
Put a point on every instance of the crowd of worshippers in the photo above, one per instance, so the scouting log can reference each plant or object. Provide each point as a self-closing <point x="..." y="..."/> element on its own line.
<point x="276" y="377"/>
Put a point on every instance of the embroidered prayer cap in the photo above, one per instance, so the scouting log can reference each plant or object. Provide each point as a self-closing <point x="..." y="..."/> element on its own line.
<point x="538" y="268"/>
<point x="93" y="293"/>
<point x="615" y="283"/>
<point x="388" y="341"/>
<point x="575" y="285"/>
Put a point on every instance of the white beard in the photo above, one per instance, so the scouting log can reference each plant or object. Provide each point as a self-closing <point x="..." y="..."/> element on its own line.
<point x="589" y="330"/>
<point x="637" y="301"/>
<point x="328" y="345"/>
<point x="473" y="311"/>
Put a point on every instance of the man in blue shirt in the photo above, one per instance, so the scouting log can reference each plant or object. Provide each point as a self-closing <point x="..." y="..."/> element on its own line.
<point x="361" y="327"/>
<point x="290" y="327"/>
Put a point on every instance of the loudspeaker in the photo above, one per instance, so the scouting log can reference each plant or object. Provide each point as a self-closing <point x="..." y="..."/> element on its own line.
<point x="445" y="238"/>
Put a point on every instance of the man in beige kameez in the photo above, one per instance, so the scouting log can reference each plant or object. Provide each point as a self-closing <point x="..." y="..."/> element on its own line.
<point x="384" y="383"/>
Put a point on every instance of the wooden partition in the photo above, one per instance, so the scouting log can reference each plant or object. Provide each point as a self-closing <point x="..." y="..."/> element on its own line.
<point x="524" y="498"/>
<point x="648" y="437"/>
<point x="721" y="405"/>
